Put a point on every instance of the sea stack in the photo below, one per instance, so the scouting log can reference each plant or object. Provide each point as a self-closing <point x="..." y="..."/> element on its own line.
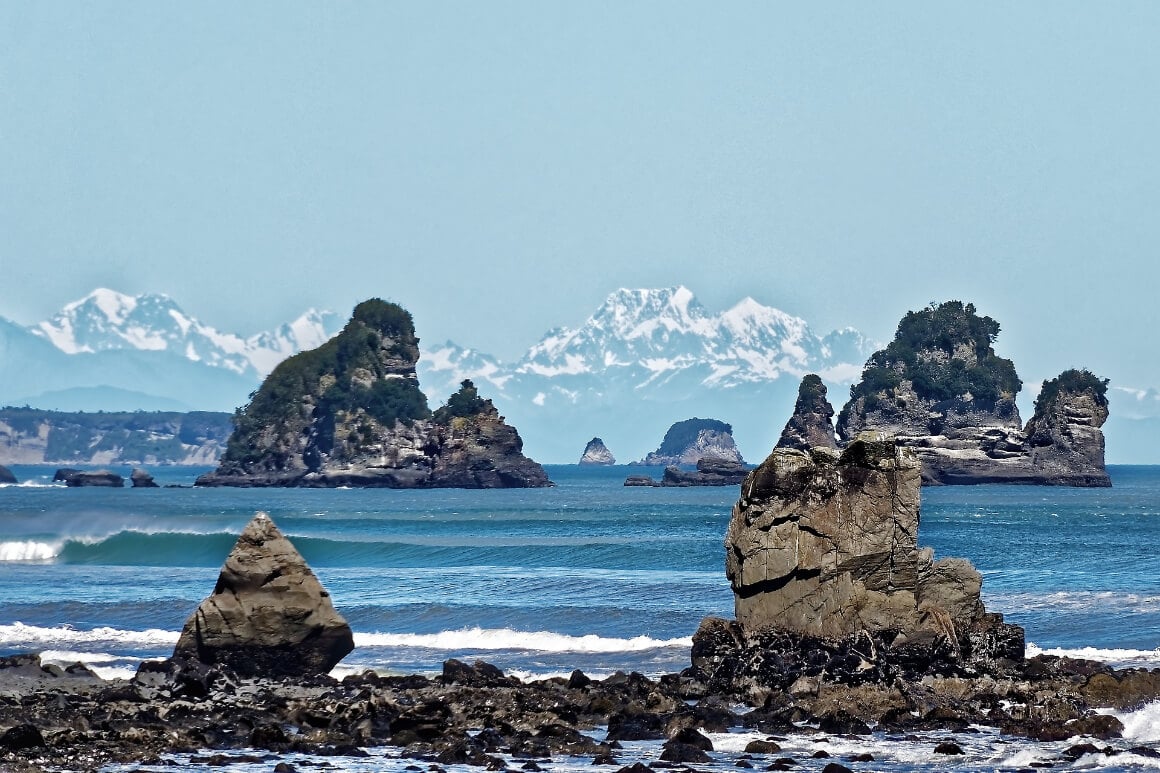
<point x="350" y="413"/>
<point x="941" y="389"/>
<point x="822" y="553"/>
<point x="812" y="423"/>
<point x="691" y="440"/>
<point x="268" y="614"/>
<point x="596" y="454"/>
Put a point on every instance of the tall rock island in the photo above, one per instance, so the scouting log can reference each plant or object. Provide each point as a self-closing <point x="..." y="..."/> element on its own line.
<point x="689" y="441"/>
<point x="828" y="579"/>
<point x="942" y="390"/>
<point x="350" y="413"/>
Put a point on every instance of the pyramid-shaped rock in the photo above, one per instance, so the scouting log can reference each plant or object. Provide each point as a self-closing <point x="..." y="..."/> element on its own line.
<point x="268" y="615"/>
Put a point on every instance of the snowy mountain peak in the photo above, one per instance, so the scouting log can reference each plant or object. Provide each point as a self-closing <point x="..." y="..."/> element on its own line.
<point x="107" y="320"/>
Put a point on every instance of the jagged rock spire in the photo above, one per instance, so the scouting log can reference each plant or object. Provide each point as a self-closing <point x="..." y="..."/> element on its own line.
<point x="811" y="425"/>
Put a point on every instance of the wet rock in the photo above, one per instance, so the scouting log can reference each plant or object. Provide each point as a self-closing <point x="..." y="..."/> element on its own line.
<point x="948" y="747"/>
<point x="268" y="614"/>
<point x="6" y="475"/>
<point x="21" y="737"/>
<point x="478" y="674"/>
<point x="843" y="723"/>
<point x="762" y="747"/>
<point x="836" y="767"/>
<point x="641" y="480"/>
<point x="675" y="751"/>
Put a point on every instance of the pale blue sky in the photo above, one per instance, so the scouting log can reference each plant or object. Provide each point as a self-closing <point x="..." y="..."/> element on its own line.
<point x="498" y="168"/>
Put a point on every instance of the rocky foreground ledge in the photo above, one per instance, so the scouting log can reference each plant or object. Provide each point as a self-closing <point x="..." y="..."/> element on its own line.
<point x="53" y="718"/>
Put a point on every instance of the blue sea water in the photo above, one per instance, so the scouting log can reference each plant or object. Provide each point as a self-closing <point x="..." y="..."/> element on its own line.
<point x="588" y="574"/>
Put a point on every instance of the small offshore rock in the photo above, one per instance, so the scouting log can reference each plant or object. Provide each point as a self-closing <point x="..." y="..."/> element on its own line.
<point x="596" y="454"/>
<point x="6" y="475"/>
<point x="836" y="767"/>
<point x="97" y="479"/>
<point x="141" y="479"/>
<point x="762" y="747"/>
<point x="948" y="747"/>
<point x="675" y="751"/>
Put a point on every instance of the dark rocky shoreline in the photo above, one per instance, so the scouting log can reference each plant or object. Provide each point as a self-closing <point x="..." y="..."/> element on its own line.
<point x="69" y="719"/>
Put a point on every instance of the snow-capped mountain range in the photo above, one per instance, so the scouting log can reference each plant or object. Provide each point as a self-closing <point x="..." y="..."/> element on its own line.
<point x="642" y="360"/>
<point x="108" y="320"/>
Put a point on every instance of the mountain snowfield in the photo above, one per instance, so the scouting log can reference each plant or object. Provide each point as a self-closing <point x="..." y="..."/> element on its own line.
<point x="644" y="359"/>
<point x="108" y="320"/>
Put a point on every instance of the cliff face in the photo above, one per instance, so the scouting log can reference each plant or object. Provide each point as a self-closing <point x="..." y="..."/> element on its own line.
<point x="941" y="389"/>
<point x="30" y="436"/>
<point x="689" y="441"/>
<point x="351" y="413"/>
<point x="597" y="454"/>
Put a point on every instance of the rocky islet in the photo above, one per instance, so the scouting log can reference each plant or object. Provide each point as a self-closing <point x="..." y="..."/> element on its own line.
<point x="350" y="413"/>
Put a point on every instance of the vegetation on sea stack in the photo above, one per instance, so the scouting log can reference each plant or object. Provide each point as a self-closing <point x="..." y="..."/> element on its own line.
<point x="684" y="433"/>
<point x="368" y="367"/>
<point x="464" y="403"/>
<point x="1072" y="382"/>
<point x="945" y="351"/>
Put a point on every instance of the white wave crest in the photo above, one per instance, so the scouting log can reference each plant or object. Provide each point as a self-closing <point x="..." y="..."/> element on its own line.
<point x="1141" y="725"/>
<point x="36" y="637"/>
<point x="508" y="639"/>
<point x="1113" y="656"/>
<point x="29" y="550"/>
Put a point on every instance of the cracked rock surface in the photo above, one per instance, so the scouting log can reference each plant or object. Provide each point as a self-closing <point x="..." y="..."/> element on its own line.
<point x="825" y="543"/>
<point x="268" y="614"/>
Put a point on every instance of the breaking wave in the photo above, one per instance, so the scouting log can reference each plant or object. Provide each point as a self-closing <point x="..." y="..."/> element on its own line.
<point x="508" y="639"/>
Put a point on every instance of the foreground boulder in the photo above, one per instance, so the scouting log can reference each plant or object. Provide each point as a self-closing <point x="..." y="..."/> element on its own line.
<point x="350" y="413"/>
<point x="268" y="614"/>
<point x="944" y="392"/>
<point x="822" y="555"/>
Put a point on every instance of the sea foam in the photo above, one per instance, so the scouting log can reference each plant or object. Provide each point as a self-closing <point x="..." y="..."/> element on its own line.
<point x="508" y="639"/>
<point x="29" y="550"/>
<point x="1117" y="657"/>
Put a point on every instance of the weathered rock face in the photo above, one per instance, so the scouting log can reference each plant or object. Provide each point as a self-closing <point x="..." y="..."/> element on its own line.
<point x="691" y="440"/>
<point x="812" y="423"/>
<point x="268" y="614"/>
<point x="825" y="544"/>
<point x="597" y="454"/>
<point x="941" y="389"/>
<point x="6" y="475"/>
<point x="351" y="413"/>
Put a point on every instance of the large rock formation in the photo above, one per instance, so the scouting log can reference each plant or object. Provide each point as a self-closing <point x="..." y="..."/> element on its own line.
<point x="941" y="389"/>
<point x="691" y="440"/>
<point x="596" y="454"/>
<point x="351" y="413"/>
<point x="822" y="554"/>
<point x="812" y="423"/>
<point x="268" y="614"/>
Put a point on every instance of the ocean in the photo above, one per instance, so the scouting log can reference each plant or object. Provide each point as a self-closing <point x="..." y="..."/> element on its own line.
<point x="588" y="575"/>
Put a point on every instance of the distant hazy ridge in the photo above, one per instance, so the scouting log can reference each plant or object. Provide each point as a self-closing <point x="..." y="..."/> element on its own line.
<point x="30" y="436"/>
